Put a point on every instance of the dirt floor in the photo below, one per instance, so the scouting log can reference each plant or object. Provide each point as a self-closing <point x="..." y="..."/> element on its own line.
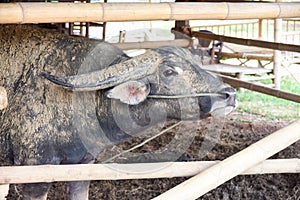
<point x="209" y="139"/>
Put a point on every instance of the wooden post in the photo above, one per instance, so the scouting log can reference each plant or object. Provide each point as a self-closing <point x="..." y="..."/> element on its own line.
<point x="122" y="35"/>
<point x="260" y="29"/>
<point x="3" y="98"/>
<point x="179" y="26"/>
<point x="234" y="165"/>
<point x="277" y="53"/>
<point x="4" y="191"/>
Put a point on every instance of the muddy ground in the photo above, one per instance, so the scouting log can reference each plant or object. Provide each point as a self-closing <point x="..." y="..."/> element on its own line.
<point x="214" y="139"/>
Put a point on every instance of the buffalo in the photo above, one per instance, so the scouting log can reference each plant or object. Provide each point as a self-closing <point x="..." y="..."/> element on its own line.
<point x="70" y="97"/>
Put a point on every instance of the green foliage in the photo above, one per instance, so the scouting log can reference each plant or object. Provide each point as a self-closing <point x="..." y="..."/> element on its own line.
<point x="269" y="106"/>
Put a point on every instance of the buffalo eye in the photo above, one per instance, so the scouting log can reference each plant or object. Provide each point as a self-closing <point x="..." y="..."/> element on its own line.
<point x="170" y="72"/>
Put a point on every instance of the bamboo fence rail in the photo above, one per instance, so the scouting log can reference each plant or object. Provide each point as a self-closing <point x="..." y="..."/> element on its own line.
<point x="259" y="88"/>
<point x="154" y="44"/>
<point x="51" y="173"/>
<point x="248" y="56"/>
<point x="234" y="165"/>
<point x="23" y="13"/>
<point x="248" y="42"/>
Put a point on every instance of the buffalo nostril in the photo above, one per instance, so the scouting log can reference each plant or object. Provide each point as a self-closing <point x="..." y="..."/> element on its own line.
<point x="229" y="94"/>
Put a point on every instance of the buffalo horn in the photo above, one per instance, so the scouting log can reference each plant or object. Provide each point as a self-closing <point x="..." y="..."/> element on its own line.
<point x="132" y="69"/>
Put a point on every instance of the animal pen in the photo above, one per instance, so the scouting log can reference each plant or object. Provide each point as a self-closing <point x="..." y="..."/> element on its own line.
<point x="251" y="160"/>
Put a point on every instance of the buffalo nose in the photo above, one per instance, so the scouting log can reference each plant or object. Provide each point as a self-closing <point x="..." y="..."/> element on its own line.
<point x="229" y="94"/>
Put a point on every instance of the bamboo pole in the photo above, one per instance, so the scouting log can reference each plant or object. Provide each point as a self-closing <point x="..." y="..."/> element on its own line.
<point x="24" y="13"/>
<point x="51" y="173"/>
<point x="260" y="28"/>
<point x="153" y="44"/>
<point x="277" y="53"/>
<point x="3" y="98"/>
<point x="122" y="35"/>
<point x="4" y="191"/>
<point x="249" y="56"/>
<point x="234" y="165"/>
<point x="259" y="88"/>
<point x="248" y="42"/>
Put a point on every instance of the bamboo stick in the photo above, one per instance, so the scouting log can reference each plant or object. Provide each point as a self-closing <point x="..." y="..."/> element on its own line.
<point x="3" y="98"/>
<point x="248" y="42"/>
<point x="259" y="88"/>
<point x="226" y="23"/>
<point x="153" y="44"/>
<point x="277" y="54"/>
<point x="4" y="191"/>
<point x="234" y="165"/>
<point x="249" y="56"/>
<point x="23" y="13"/>
<point x="51" y="173"/>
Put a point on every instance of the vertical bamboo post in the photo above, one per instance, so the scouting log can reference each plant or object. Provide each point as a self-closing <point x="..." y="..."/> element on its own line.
<point x="4" y="191"/>
<point x="267" y="28"/>
<point x="247" y="30"/>
<point x="179" y="25"/>
<point x="122" y="36"/>
<point x="277" y="53"/>
<point x="71" y="27"/>
<point x="260" y="28"/>
<point x="87" y="31"/>
<point x="253" y="31"/>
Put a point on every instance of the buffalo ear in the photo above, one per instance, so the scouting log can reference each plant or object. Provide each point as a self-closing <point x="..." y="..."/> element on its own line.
<point x="130" y="92"/>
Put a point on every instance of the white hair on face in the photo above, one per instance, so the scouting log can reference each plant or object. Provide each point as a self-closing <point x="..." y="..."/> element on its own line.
<point x="178" y="70"/>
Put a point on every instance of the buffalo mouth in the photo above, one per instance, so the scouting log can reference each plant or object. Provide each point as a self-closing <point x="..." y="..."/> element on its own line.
<point x="208" y="104"/>
<point x="222" y="111"/>
<point x="218" y="105"/>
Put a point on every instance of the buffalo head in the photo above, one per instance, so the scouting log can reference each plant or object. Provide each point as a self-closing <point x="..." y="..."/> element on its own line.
<point x="169" y="79"/>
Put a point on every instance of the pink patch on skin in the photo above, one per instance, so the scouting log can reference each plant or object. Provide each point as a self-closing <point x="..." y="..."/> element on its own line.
<point x="132" y="91"/>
